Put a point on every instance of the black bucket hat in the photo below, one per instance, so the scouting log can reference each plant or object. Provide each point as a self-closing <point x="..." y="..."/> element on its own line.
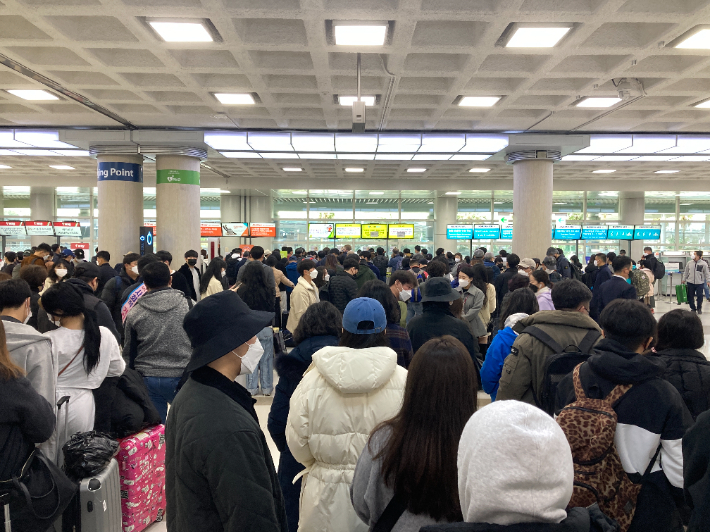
<point x="438" y="289"/>
<point x="220" y="323"/>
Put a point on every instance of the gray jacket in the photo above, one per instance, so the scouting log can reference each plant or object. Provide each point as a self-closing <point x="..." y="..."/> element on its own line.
<point x="472" y="305"/>
<point x="155" y="343"/>
<point x="696" y="272"/>
<point x="32" y="351"/>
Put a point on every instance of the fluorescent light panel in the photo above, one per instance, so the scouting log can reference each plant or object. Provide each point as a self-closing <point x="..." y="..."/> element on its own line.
<point x="356" y="143"/>
<point x="398" y="143"/>
<point x="61" y="167"/>
<point x="227" y="98"/>
<point x="479" y="101"/>
<point x="280" y="142"/>
<point x="650" y="144"/>
<point x="598" y="102"/>
<point x="182" y="31"/>
<point x="603" y="171"/>
<point x="697" y="41"/>
<point x="470" y="157"/>
<point x="453" y="193"/>
<point x="5" y="167"/>
<point x="35" y="95"/>
<point x="442" y="143"/>
<point x="667" y="171"/>
<point x="292" y="169"/>
<point x="479" y="170"/>
<point x="416" y="170"/>
<point x="485" y="144"/>
<point x="354" y="170"/>
<point x="376" y="193"/>
<point x="240" y="154"/>
<point x="360" y="35"/>
<point x="348" y="101"/>
<point x="536" y="37"/>
<point x="607" y="144"/>
<point x="227" y="141"/>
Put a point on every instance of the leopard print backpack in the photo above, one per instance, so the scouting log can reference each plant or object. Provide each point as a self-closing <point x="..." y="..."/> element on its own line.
<point x="590" y="425"/>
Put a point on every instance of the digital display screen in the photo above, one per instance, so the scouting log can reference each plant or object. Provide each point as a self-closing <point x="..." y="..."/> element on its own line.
<point x="348" y="230"/>
<point x="506" y="232"/>
<point x="321" y="230"/>
<point x="374" y="231"/>
<point x="403" y="231"/>
<point x="266" y="230"/>
<point x="594" y="232"/>
<point x="39" y="228"/>
<point x="568" y="232"/>
<point x="235" y="229"/>
<point x="647" y="232"/>
<point x="210" y="229"/>
<point x="621" y="232"/>
<point x="459" y="232"/>
<point x="486" y="232"/>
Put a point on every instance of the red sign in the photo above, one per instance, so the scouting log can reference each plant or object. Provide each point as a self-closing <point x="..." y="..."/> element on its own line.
<point x="262" y="230"/>
<point x="39" y="228"/>
<point x="246" y="247"/>
<point x="67" y="228"/>
<point x="12" y="228"/>
<point x="211" y="229"/>
<point x="150" y="224"/>
<point x="38" y="224"/>
<point x="79" y="245"/>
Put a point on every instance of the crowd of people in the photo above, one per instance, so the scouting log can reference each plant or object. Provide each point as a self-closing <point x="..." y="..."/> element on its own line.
<point x="376" y="410"/>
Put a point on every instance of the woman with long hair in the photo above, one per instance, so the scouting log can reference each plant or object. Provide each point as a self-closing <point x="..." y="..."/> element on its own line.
<point x="256" y="293"/>
<point x="480" y="279"/>
<point x="347" y="391"/>
<point x="319" y="327"/>
<point x="413" y="455"/>
<point x="279" y="278"/>
<point x="541" y="285"/>
<point x="331" y="264"/>
<point x="58" y="272"/>
<point x="211" y="281"/>
<point x="85" y="354"/>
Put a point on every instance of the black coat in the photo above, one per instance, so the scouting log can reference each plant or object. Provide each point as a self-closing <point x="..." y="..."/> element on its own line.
<point x="342" y="290"/>
<point x="290" y="369"/>
<point x="615" y="288"/>
<point x="103" y="314"/>
<point x="501" y="285"/>
<point x="696" y="473"/>
<point x="689" y="371"/>
<point x="111" y="295"/>
<point x="219" y="475"/>
<point x="106" y="274"/>
<point x="603" y="275"/>
<point x="187" y="274"/>
<point x="180" y="283"/>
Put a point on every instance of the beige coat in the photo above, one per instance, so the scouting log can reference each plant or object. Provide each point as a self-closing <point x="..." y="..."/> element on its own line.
<point x="490" y="306"/>
<point x="214" y="287"/>
<point x="303" y="296"/>
<point x="279" y="277"/>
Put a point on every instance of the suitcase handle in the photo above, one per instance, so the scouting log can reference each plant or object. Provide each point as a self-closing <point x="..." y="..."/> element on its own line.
<point x="63" y="400"/>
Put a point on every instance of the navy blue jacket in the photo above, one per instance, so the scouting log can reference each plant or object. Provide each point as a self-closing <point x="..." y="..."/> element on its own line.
<point x="495" y="269"/>
<point x="292" y="274"/>
<point x="563" y="267"/>
<point x="603" y="275"/>
<point x="290" y="369"/>
<point x="615" y="288"/>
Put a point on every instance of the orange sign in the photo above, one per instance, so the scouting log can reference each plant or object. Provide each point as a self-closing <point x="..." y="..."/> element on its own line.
<point x="79" y="245"/>
<point x="262" y="230"/>
<point x="150" y="224"/>
<point x="210" y="229"/>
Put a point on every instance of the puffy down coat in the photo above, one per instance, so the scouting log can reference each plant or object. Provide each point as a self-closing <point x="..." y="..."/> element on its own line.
<point x="342" y="397"/>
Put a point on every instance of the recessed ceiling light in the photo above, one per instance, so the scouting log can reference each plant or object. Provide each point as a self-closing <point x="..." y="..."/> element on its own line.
<point x="697" y="41"/>
<point x="703" y="105"/>
<point x="479" y="101"/>
<point x="234" y="99"/>
<point x="348" y="101"/>
<point x="479" y="170"/>
<point x="292" y="169"/>
<point x="182" y="31"/>
<point x="61" y="167"/>
<point x="5" y="167"/>
<point x="416" y="170"/>
<point x="598" y="102"/>
<point x="360" y="35"/>
<point x="559" y="203"/>
<point x="685" y="204"/>
<point x="453" y="193"/>
<point x="667" y="171"/>
<point x="376" y="193"/>
<point x="354" y="169"/>
<point x="536" y="37"/>
<point x="430" y="203"/>
<point x="37" y="95"/>
<point x="603" y="171"/>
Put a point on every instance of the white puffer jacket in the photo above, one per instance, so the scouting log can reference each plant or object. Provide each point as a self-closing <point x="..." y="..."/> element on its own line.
<point x="343" y="395"/>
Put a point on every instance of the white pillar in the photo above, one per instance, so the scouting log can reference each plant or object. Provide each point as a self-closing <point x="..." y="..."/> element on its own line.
<point x="120" y="204"/>
<point x="445" y="211"/>
<point x="42" y="207"/>
<point x="631" y="212"/>
<point x="532" y="207"/>
<point x="261" y="211"/>
<point x="178" y="204"/>
<point x="230" y="208"/>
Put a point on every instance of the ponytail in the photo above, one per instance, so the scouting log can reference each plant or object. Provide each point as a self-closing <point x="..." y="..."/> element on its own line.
<point x="92" y="340"/>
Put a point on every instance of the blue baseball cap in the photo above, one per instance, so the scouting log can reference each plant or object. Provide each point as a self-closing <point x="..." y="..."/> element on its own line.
<point x="364" y="309"/>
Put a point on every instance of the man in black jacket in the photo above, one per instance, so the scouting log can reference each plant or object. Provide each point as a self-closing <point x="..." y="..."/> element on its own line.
<point x="343" y="287"/>
<point x="605" y="272"/>
<point x="112" y="292"/>
<point x="616" y="288"/>
<point x="191" y="273"/>
<point x="178" y="280"/>
<point x="86" y="278"/>
<point x="651" y="415"/>
<point x="501" y="282"/>
<point x="103" y="261"/>
<point x="563" y="267"/>
<point x="380" y="261"/>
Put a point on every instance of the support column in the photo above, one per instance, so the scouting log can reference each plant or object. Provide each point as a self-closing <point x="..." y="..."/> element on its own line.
<point x="178" y="204"/>
<point x="631" y="212"/>
<point x="532" y="207"/>
<point x="230" y="207"/>
<point x="445" y="210"/>
<point x="120" y="204"/>
<point x="261" y="211"/>
<point x="42" y="207"/>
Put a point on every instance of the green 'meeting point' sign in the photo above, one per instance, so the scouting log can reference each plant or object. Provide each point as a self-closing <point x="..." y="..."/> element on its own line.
<point x="180" y="177"/>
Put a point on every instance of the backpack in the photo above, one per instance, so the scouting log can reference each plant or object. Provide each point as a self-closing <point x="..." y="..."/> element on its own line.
<point x="324" y="292"/>
<point x="559" y="365"/>
<point x="659" y="272"/>
<point x="640" y="281"/>
<point x="599" y="477"/>
<point x="381" y="262"/>
<point x="576" y="272"/>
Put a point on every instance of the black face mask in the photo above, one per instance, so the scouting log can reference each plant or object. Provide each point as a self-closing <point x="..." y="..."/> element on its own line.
<point x="192" y="262"/>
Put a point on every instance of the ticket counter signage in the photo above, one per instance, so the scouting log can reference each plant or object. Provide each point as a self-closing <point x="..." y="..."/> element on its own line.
<point x="266" y="230"/>
<point x="568" y="232"/>
<point x="378" y="231"/>
<point x="647" y="232"/>
<point x="621" y="232"/>
<point x="39" y="228"/>
<point x="486" y="232"/>
<point x="12" y="228"/>
<point x="506" y="232"/>
<point x="321" y="231"/>
<point x="210" y="229"/>
<point x="595" y="232"/>
<point x="67" y="228"/>
<point x="401" y="231"/>
<point x="459" y="232"/>
<point x="347" y="231"/>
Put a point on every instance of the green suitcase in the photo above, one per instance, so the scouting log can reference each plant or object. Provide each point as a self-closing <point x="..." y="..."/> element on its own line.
<point x="681" y="293"/>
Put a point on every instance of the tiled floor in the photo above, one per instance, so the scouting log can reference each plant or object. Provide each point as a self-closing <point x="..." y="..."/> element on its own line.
<point x="264" y="403"/>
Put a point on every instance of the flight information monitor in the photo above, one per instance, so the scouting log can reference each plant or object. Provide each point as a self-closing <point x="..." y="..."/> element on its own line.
<point x="594" y="232"/>
<point x="568" y="232"/>
<point x="378" y="231"/>
<point x="647" y="232"/>
<point x="321" y="230"/>
<point x="506" y="232"/>
<point x="486" y="232"/>
<point x="621" y="232"/>
<point x="403" y="231"/>
<point x="459" y="232"/>
<point x="348" y="231"/>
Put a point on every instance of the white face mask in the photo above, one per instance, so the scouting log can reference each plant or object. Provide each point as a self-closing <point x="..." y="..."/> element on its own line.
<point x="57" y="321"/>
<point x="61" y="272"/>
<point x="457" y="259"/>
<point x="135" y="270"/>
<point x="327" y="277"/>
<point x="223" y="272"/>
<point x="405" y="295"/>
<point x="251" y="358"/>
<point x="464" y="283"/>
<point x="29" y="315"/>
<point x="314" y="274"/>
<point x="45" y="257"/>
<point x="523" y="272"/>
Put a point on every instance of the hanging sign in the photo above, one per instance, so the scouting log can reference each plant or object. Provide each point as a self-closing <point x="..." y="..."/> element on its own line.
<point x="235" y="229"/>
<point x="12" y="229"/>
<point x="120" y="172"/>
<point x="39" y="228"/>
<point x="267" y="230"/>
<point x="67" y="228"/>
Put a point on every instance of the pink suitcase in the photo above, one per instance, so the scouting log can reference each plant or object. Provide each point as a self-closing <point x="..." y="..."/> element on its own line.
<point x="141" y="459"/>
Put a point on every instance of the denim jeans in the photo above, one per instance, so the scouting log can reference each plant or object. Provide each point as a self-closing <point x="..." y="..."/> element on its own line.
<point x="264" y="372"/>
<point x="707" y="291"/>
<point x="697" y="291"/>
<point x="414" y="309"/>
<point x="162" y="392"/>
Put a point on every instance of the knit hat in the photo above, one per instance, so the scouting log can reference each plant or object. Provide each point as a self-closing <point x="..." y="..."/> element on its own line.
<point x="514" y="466"/>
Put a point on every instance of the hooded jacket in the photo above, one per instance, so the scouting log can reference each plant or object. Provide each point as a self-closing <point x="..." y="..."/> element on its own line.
<point x="342" y="289"/>
<point x="156" y="344"/>
<point x="497" y="352"/>
<point x="303" y="296"/>
<point x="32" y="351"/>
<point x="652" y="413"/>
<point x="342" y="397"/>
<point x="364" y="274"/>
<point x="291" y="369"/>
<point x="544" y="299"/>
<point x="524" y="369"/>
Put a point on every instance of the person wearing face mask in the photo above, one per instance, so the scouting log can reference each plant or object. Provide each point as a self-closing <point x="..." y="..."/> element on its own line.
<point x="279" y="279"/>
<point x="35" y="276"/>
<point x="112" y="292"/>
<point x="41" y="255"/>
<point x="305" y="294"/>
<point x="541" y="285"/>
<point x="342" y="288"/>
<point x="474" y="293"/>
<point x="255" y="291"/>
<point x="211" y="281"/>
<point x="404" y="285"/>
<point x="57" y="273"/>
<point x="155" y="343"/>
<point x="192" y="274"/>
<point x="219" y="474"/>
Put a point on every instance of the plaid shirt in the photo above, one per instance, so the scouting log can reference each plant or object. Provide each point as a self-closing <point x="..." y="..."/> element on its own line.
<point x="400" y="343"/>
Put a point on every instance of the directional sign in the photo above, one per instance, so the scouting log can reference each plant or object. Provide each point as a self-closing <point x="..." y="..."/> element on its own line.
<point x="621" y="232"/>
<point x="647" y="232"/>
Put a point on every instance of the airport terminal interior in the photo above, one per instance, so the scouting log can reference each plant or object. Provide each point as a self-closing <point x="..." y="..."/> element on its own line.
<point x="133" y="126"/>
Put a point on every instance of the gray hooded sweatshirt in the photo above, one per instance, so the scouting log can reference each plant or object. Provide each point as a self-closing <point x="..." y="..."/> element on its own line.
<point x="154" y="336"/>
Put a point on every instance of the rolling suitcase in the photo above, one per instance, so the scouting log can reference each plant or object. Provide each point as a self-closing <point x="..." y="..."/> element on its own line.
<point x="97" y="506"/>
<point x="681" y="293"/>
<point x="5" y="502"/>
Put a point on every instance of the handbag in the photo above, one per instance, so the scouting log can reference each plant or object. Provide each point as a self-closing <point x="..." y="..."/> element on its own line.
<point x="39" y="494"/>
<point x="279" y="344"/>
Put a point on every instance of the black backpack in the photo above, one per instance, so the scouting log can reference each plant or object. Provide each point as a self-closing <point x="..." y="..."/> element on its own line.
<point x="576" y="272"/>
<point x="561" y="364"/>
<point x="324" y="292"/>
<point x="659" y="272"/>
